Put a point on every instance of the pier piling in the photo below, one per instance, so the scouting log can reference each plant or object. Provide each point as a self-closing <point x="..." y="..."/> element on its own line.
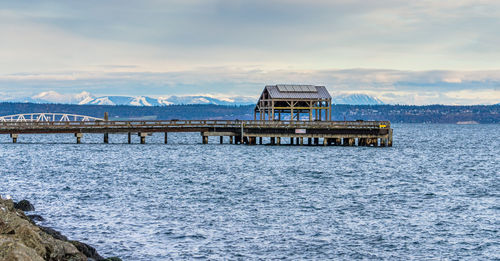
<point x="143" y="136"/>
<point x="14" y="137"/>
<point x="78" y="137"/>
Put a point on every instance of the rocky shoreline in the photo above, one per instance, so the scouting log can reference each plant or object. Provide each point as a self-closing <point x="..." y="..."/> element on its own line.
<point x="22" y="239"/>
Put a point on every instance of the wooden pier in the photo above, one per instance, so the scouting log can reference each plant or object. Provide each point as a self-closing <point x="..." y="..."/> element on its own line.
<point x="324" y="133"/>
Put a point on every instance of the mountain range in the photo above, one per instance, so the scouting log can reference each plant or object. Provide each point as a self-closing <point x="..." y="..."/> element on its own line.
<point x="86" y="98"/>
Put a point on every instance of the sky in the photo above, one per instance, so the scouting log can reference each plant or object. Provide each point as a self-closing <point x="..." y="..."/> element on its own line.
<point x="406" y="52"/>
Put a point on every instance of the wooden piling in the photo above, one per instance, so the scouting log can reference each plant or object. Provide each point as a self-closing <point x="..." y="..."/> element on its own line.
<point x="221" y="139"/>
<point x="166" y="138"/>
<point x="389" y="143"/>
<point x="106" y="135"/>
<point x="143" y="135"/>
<point x="129" y="134"/>
<point x="78" y="137"/>
<point x="316" y="141"/>
<point x="231" y="138"/>
<point x="291" y="141"/>
<point x="14" y="137"/>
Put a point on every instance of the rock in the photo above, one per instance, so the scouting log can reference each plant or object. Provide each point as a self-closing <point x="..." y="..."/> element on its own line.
<point x="54" y="233"/>
<point x="22" y="240"/>
<point x="36" y="217"/>
<point x="24" y="205"/>
<point x="11" y="249"/>
<point x="87" y="250"/>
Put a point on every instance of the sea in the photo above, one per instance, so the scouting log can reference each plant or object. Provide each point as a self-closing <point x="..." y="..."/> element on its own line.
<point x="434" y="195"/>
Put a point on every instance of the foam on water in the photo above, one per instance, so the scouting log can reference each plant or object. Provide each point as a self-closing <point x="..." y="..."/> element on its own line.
<point x="435" y="194"/>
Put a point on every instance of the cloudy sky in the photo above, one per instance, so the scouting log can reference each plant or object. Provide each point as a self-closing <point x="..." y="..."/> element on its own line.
<point x="413" y="52"/>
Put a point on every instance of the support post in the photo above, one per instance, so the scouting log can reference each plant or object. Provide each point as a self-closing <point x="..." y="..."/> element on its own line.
<point x="205" y="140"/>
<point x="231" y="138"/>
<point x="221" y="139"/>
<point x="291" y="141"/>
<point x="14" y="137"/>
<point x="106" y="135"/>
<point x="129" y="137"/>
<point x="273" y="140"/>
<point x="166" y="138"/>
<point x="242" y="134"/>
<point x="278" y="140"/>
<point x="78" y="137"/>
<point x="389" y="143"/>
<point x="325" y="141"/>
<point x="301" y="140"/>
<point x="309" y="141"/>
<point x="260" y="140"/>
<point x="143" y="137"/>
<point x="316" y="141"/>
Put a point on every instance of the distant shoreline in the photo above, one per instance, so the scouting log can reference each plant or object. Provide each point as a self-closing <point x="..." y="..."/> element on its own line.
<point x="480" y="114"/>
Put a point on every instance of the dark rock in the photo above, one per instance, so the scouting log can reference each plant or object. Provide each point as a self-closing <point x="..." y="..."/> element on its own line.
<point x="22" y="240"/>
<point x="24" y="205"/>
<point x="87" y="250"/>
<point x="54" y="233"/>
<point x="36" y="217"/>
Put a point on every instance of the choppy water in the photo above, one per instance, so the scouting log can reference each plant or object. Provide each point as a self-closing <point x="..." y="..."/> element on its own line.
<point x="434" y="195"/>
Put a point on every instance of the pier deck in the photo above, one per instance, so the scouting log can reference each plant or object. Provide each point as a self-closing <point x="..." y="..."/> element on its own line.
<point x="347" y="133"/>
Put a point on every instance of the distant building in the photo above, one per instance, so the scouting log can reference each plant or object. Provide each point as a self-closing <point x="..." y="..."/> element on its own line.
<point x="294" y="103"/>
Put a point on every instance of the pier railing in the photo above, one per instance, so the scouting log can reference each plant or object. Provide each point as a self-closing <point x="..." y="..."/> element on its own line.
<point x="199" y="124"/>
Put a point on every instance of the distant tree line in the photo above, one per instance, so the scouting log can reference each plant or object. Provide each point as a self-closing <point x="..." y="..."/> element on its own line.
<point x="393" y="113"/>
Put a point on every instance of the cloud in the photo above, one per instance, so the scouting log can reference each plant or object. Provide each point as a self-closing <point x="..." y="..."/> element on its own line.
<point x="275" y="34"/>
<point x="432" y="49"/>
<point x="391" y="86"/>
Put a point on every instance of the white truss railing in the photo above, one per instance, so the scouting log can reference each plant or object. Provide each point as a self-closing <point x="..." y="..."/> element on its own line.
<point x="41" y="117"/>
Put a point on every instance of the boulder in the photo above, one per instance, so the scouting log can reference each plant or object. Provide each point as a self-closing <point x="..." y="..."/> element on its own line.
<point x="24" y="205"/>
<point x="36" y="217"/>
<point x="22" y="240"/>
<point x="87" y="250"/>
<point x="54" y="233"/>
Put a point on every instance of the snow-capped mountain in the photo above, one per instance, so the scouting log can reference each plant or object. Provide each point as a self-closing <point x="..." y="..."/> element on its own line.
<point x="55" y="97"/>
<point x="126" y="100"/>
<point x="85" y="98"/>
<point x="356" y="99"/>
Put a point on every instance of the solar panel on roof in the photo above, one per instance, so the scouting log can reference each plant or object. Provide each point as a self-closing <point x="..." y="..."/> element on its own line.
<point x="297" y="88"/>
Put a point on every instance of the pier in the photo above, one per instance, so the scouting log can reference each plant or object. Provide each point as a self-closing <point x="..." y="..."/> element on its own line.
<point x="277" y="116"/>
<point x="250" y="132"/>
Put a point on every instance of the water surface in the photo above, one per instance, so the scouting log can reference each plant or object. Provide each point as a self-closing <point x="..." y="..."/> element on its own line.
<point x="434" y="195"/>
